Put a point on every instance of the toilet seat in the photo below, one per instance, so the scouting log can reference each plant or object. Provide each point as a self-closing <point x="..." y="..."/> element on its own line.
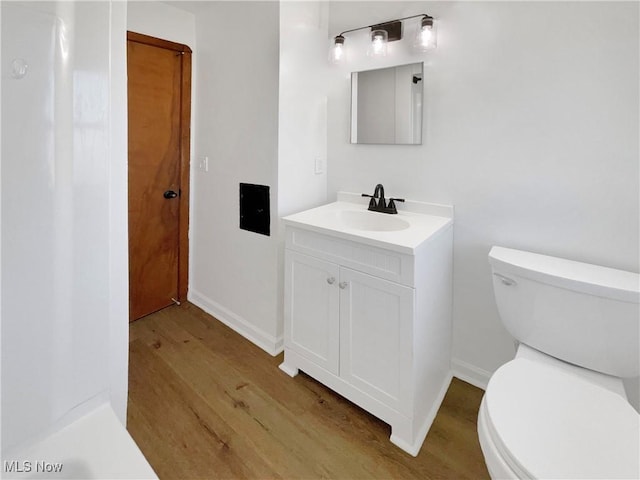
<point x="547" y="423"/>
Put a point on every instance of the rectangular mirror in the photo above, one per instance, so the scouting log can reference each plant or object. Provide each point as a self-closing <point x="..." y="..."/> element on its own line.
<point x="386" y="105"/>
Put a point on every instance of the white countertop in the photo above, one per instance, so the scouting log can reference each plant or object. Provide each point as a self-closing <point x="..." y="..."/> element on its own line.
<point x="416" y="222"/>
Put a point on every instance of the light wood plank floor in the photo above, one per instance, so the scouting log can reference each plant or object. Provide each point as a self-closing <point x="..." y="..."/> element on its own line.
<point x="205" y="403"/>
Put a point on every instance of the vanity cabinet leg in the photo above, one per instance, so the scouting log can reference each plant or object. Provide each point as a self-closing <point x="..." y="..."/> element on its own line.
<point x="402" y="435"/>
<point x="288" y="367"/>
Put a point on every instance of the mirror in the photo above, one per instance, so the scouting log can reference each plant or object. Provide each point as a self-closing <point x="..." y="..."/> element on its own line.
<point x="386" y="105"/>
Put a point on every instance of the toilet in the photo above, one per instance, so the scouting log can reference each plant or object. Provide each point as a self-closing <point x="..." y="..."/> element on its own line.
<point x="559" y="408"/>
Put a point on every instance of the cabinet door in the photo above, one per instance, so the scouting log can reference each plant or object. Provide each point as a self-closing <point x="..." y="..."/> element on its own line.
<point x="311" y="309"/>
<point x="376" y="345"/>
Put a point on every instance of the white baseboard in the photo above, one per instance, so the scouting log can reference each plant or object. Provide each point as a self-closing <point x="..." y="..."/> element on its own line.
<point x="470" y="373"/>
<point x="270" y="344"/>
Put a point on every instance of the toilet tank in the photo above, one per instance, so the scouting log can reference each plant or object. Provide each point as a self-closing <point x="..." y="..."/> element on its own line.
<point x="583" y="314"/>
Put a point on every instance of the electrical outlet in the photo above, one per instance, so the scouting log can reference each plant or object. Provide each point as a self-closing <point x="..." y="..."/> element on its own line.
<point x="319" y="165"/>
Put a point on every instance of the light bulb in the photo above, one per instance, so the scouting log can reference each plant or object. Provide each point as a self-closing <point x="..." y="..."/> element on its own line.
<point x="425" y="36"/>
<point x="378" y="46"/>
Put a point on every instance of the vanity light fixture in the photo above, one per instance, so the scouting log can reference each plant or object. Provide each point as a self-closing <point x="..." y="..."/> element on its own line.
<point x="426" y="35"/>
<point x="337" y="51"/>
<point x="390" y="31"/>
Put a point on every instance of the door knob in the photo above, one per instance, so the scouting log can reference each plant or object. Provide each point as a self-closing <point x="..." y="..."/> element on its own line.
<point x="170" y="194"/>
<point x="343" y="285"/>
<point x="330" y="280"/>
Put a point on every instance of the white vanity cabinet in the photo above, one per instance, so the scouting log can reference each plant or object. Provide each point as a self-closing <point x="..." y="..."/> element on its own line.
<point x="352" y="324"/>
<point x="372" y="321"/>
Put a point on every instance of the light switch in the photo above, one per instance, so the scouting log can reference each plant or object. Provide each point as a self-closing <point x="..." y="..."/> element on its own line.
<point x="203" y="163"/>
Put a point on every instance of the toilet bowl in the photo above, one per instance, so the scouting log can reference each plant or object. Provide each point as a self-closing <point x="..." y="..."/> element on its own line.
<point x="559" y="408"/>
<point x="542" y="420"/>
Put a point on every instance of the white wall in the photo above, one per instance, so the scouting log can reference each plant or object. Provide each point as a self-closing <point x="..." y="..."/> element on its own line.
<point x="302" y="109"/>
<point x="234" y="273"/>
<point x="118" y="217"/>
<point x="161" y="20"/>
<point x="64" y="325"/>
<point x="531" y="132"/>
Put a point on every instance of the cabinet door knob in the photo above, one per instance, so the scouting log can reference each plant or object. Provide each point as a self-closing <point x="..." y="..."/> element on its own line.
<point x="331" y="280"/>
<point x="343" y="285"/>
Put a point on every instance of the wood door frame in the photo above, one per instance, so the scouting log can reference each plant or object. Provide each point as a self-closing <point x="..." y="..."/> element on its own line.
<point x="185" y="152"/>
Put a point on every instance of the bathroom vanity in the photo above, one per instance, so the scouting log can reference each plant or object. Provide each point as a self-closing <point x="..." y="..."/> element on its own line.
<point x="367" y="308"/>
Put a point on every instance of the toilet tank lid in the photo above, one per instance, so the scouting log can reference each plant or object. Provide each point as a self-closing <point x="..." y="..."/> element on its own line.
<point x="577" y="276"/>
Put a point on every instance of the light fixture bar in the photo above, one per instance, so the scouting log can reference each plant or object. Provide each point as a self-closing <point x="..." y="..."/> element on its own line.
<point x="382" y="33"/>
<point x="381" y="25"/>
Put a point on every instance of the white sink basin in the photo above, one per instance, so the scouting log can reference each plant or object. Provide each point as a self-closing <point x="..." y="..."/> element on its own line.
<point x="348" y="218"/>
<point x="371" y="221"/>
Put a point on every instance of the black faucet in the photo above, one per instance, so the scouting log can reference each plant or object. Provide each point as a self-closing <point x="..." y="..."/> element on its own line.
<point x="379" y="204"/>
<point x="379" y="194"/>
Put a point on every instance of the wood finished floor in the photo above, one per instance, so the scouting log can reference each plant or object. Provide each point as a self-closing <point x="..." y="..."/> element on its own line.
<point x="205" y="403"/>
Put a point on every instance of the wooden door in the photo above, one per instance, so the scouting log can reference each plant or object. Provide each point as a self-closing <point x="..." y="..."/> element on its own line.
<point x="159" y="109"/>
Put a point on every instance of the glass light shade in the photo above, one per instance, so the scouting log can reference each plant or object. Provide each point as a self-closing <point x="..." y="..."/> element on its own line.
<point x="378" y="47"/>
<point x="337" y="52"/>
<point x="426" y="35"/>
